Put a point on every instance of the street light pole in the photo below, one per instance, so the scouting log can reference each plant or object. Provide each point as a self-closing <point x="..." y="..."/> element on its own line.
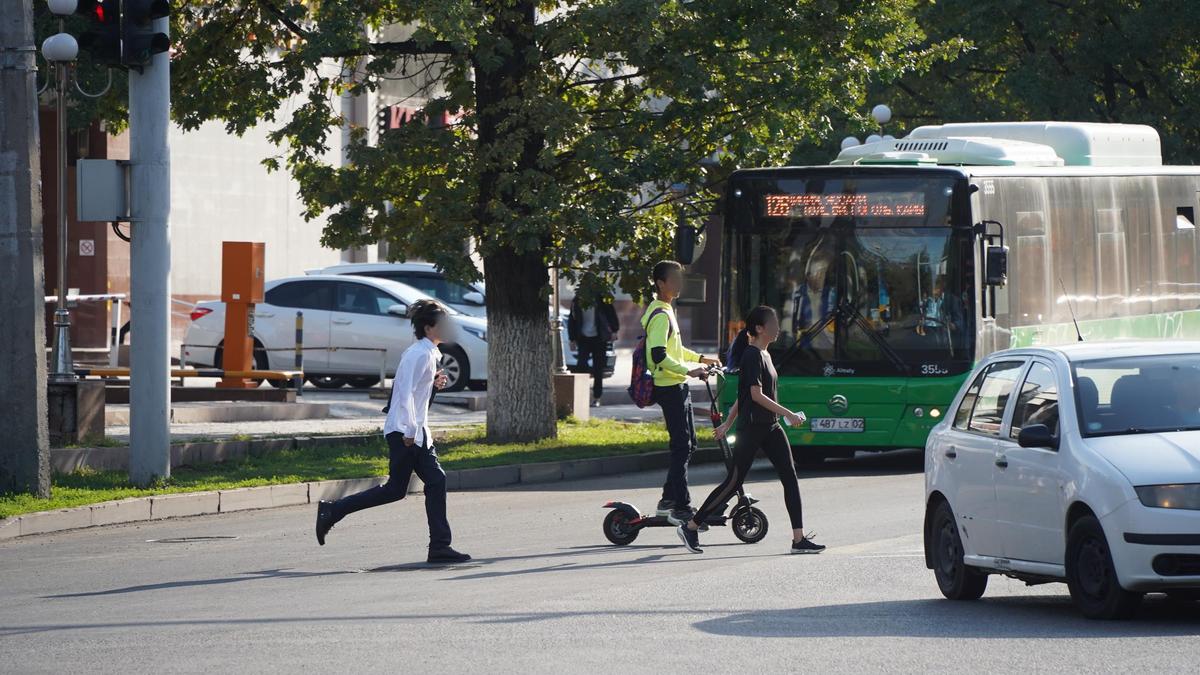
<point x="62" y="368"/>
<point x="560" y="361"/>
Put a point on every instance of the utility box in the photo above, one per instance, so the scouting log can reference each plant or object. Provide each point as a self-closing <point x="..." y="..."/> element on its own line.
<point x="242" y="273"/>
<point x="101" y="189"/>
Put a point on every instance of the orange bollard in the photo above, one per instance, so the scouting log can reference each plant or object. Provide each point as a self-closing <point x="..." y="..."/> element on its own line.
<point x="241" y="288"/>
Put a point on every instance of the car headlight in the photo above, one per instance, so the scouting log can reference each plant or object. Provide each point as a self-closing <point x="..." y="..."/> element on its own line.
<point x="480" y="333"/>
<point x="1183" y="496"/>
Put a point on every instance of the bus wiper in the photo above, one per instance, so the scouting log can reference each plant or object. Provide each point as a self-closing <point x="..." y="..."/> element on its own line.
<point x="804" y="339"/>
<point x="863" y="323"/>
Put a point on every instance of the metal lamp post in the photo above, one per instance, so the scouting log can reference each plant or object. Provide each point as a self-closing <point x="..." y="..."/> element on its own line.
<point x="61" y="49"/>
<point x="560" y="361"/>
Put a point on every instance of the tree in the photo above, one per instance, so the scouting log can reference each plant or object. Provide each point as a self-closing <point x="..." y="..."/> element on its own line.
<point x="571" y="120"/>
<point x="1088" y="60"/>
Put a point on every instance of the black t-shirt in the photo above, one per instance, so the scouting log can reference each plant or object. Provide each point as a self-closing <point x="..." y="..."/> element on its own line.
<point x="757" y="368"/>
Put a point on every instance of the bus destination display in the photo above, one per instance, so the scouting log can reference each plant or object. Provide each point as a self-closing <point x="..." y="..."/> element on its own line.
<point x="870" y="204"/>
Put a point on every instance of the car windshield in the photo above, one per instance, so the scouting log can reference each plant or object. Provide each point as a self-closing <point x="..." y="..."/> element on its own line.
<point x="1138" y="394"/>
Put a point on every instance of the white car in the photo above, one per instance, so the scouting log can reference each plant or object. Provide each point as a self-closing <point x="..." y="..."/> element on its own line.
<point x="1078" y="463"/>
<point x="468" y="298"/>
<point x="352" y="327"/>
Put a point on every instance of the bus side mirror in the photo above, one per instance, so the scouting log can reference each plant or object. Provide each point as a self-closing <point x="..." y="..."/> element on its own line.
<point x="685" y="244"/>
<point x="996" y="266"/>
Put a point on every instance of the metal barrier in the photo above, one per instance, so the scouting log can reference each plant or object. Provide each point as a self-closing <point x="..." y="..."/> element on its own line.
<point x="197" y="372"/>
<point x="299" y="350"/>
<point x="112" y="340"/>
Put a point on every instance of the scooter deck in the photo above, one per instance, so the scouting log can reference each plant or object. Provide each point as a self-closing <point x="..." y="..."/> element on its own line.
<point x="661" y="521"/>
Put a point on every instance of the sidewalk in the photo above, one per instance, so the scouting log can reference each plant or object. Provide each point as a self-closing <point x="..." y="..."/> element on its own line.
<point x="351" y="411"/>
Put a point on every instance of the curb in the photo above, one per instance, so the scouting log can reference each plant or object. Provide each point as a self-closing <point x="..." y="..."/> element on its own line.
<point x="185" y="504"/>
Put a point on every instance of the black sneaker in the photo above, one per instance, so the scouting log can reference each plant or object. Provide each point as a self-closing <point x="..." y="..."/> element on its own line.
<point x="680" y="515"/>
<point x="325" y="520"/>
<point x="665" y="507"/>
<point x="806" y="545"/>
<point x="446" y="554"/>
<point x="690" y="538"/>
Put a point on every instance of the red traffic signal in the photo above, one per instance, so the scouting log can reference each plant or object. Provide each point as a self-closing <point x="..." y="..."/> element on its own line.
<point x="103" y="38"/>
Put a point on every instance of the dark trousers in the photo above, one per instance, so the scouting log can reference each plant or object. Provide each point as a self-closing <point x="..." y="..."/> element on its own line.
<point x="774" y="443"/>
<point x="676" y="404"/>
<point x="403" y="460"/>
<point x="593" y="359"/>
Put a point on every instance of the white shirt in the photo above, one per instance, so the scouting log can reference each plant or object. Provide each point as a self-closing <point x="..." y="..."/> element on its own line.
<point x="587" y="320"/>
<point x="411" y="392"/>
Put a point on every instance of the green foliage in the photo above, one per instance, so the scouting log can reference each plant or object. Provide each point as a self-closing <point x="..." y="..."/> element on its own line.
<point x="563" y="120"/>
<point x="1089" y="60"/>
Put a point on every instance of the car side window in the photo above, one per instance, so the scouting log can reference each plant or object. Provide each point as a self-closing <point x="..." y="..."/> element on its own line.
<point x="998" y="384"/>
<point x="963" y="415"/>
<point x="1038" y="401"/>
<point x="362" y="299"/>
<point x="302" y="295"/>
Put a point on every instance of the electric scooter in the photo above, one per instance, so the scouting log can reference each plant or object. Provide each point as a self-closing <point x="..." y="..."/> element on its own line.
<point x="749" y="524"/>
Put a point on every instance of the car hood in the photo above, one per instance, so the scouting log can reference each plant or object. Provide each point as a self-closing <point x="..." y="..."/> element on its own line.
<point x="1153" y="459"/>
<point x="468" y="321"/>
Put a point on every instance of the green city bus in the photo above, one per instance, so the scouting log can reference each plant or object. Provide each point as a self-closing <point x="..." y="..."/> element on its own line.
<point x="899" y="265"/>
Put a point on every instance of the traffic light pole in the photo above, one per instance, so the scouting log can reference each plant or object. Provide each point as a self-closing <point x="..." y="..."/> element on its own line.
<point x="150" y="269"/>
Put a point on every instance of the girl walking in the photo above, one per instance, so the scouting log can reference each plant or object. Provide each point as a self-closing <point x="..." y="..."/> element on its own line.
<point x="757" y="414"/>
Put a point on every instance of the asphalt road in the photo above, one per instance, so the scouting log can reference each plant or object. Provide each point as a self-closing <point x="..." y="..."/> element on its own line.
<point x="547" y="594"/>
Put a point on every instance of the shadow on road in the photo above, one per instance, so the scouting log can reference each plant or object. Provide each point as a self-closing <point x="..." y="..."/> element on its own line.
<point x="893" y="463"/>
<point x="1013" y="617"/>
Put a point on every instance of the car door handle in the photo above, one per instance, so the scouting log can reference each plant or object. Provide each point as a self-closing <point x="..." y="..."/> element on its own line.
<point x="951" y="453"/>
<point x="1002" y="461"/>
<point x="343" y="322"/>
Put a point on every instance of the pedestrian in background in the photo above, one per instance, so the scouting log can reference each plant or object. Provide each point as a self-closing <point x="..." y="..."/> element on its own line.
<point x="591" y="327"/>
<point x="410" y="443"/>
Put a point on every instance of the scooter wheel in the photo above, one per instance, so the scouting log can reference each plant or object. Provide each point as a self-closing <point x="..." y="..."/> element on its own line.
<point x="749" y="524"/>
<point x="617" y="528"/>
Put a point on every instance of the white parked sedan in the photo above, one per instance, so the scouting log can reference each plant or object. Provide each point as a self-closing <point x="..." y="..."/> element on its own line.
<point x="352" y="326"/>
<point x="1078" y="463"/>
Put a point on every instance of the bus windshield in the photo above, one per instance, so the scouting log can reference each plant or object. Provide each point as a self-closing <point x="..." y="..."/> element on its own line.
<point x="866" y="273"/>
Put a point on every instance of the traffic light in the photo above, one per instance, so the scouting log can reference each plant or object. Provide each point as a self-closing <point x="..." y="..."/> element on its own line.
<point x="103" y="37"/>
<point x="139" y="41"/>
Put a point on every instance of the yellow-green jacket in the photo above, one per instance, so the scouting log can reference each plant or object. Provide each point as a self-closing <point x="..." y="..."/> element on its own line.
<point x="663" y="332"/>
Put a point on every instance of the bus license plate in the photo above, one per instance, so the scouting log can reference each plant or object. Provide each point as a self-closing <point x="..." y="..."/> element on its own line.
<point x="851" y="424"/>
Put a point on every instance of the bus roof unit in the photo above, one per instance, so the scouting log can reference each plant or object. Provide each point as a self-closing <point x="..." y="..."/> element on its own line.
<point x="1015" y="144"/>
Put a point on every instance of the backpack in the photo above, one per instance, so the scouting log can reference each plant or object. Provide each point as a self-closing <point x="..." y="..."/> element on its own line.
<point x="641" y="378"/>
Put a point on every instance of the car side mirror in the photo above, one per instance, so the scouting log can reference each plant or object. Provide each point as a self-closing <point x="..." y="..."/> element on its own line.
<point x="1037" y="436"/>
<point x="996" y="265"/>
<point x="399" y="309"/>
<point x="473" y="298"/>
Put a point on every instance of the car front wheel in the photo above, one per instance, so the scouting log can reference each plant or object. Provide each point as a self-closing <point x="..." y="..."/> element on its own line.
<point x="456" y="367"/>
<point x="956" y="579"/>
<point x="1091" y="576"/>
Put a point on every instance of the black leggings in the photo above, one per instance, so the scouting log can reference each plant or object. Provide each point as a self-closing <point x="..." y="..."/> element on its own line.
<point x="774" y="444"/>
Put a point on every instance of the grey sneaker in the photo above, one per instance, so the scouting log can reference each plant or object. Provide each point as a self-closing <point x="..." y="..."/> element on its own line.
<point x="680" y="515"/>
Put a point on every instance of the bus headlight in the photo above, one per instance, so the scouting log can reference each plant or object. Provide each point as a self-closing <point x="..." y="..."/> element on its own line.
<point x="919" y="412"/>
<point x="935" y="413"/>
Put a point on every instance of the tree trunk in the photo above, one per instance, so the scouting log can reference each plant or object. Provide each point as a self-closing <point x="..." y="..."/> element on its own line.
<point x="520" y="350"/>
<point x="24" y="452"/>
